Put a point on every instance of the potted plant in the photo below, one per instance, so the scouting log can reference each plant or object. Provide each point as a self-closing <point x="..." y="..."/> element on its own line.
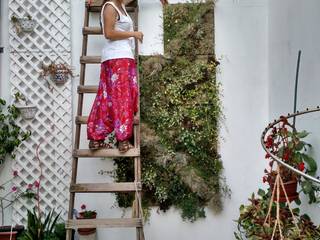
<point x="253" y="225"/>
<point x="41" y="229"/>
<point x="86" y="214"/>
<point x="7" y="198"/>
<point x="59" y="73"/>
<point x="28" y="111"/>
<point x="288" y="144"/>
<point x="26" y="24"/>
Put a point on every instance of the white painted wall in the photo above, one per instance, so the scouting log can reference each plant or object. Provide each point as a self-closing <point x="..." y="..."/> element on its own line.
<point x="293" y="25"/>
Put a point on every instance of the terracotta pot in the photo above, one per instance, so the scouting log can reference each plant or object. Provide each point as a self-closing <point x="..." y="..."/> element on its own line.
<point x="86" y="231"/>
<point x="291" y="190"/>
<point x="7" y="235"/>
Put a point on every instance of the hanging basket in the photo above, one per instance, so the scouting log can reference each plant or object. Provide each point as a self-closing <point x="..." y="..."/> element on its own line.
<point x="26" y="24"/>
<point x="60" y="77"/>
<point x="86" y="231"/>
<point x="27" y="111"/>
<point x="290" y="188"/>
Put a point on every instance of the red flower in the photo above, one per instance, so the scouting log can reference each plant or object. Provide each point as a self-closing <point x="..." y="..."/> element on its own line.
<point x="15" y="173"/>
<point x="301" y="166"/>
<point x="269" y="142"/>
<point x="37" y="184"/>
<point x="83" y="206"/>
<point x="267" y="156"/>
<point x="14" y="189"/>
<point x="30" y="186"/>
<point x="286" y="155"/>
<point x="264" y="179"/>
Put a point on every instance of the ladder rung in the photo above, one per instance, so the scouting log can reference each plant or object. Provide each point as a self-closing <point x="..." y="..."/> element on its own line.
<point x="92" y="31"/>
<point x="87" y="153"/>
<point x="104" y="223"/>
<point x="90" y="59"/>
<point x="98" y="8"/>
<point x="105" y="187"/>
<point x="84" y="120"/>
<point x="87" y="89"/>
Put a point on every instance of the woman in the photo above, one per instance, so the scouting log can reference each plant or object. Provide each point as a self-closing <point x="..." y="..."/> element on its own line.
<point x="117" y="99"/>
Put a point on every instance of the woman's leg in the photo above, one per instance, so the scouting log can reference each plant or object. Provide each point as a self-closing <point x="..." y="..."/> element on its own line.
<point x="124" y="97"/>
<point x="100" y="122"/>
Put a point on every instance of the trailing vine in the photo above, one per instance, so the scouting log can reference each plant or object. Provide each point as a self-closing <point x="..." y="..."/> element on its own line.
<point x="180" y="112"/>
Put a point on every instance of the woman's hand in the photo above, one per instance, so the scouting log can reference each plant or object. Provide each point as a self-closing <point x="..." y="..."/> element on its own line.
<point x="139" y="36"/>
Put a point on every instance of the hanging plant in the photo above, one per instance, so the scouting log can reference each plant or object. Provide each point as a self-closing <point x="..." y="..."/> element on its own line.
<point x="253" y="225"/>
<point x="288" y="144"/>
<point x="23" y="24"/>
<point x="59" y="73"/>
<point x="27" y="110"/>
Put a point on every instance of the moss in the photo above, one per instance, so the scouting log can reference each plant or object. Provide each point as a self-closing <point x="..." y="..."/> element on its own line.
<point x="181" y="113"/>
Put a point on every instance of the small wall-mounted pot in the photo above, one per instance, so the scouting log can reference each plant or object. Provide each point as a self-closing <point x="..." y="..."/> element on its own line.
<point x="27" y="111"/>
<point x="60" y="77"/>
<point x="26" y="24"/>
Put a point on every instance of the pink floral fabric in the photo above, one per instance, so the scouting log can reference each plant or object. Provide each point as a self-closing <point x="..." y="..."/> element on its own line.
<point x="116" y="101"/>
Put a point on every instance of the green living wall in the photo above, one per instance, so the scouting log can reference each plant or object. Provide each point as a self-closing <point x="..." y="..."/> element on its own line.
<point x="180" y="113"/>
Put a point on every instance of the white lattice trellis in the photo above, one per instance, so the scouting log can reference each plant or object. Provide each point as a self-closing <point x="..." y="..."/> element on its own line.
<point x="52" y="126"/>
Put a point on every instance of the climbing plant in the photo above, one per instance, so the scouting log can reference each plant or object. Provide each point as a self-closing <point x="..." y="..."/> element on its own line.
<point x="181" y="113"/>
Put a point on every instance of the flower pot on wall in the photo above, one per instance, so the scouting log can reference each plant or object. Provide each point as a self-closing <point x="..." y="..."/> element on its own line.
<point x="291" y="190"/>
<point x="60" y="77"/>
<point x="86" y="231"/>
<point x="27" y="111"/>
<point x="27" y="25"/>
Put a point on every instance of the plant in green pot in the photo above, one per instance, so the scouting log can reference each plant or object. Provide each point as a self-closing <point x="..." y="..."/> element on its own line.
<point x="86" y="214"/>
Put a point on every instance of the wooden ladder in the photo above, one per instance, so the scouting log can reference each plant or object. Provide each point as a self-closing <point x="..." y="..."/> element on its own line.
<point x="135" y="187"/>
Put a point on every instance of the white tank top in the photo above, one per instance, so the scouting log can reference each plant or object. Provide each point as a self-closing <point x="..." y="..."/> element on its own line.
<point x="124" y="48"/>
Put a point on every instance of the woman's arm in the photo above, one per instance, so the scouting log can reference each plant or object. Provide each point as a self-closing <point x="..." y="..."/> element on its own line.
<point x="110" y="16"/>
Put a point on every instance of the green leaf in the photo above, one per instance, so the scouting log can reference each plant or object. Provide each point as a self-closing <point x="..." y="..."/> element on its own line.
<point x="306" y="186"/>
<point x="302" y="134"/>
<point x="312" y="164"/>
<point x="261" y="192"/>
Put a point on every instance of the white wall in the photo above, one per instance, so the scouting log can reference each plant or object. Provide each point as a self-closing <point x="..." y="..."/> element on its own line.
<point x="293" y="25"/>
<point x="241" y="42"/>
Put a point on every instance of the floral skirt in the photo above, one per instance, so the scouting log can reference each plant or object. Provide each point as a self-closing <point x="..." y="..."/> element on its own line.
<point x="116" y="101"/>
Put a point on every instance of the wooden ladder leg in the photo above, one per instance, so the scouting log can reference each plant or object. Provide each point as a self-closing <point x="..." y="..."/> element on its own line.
<point x="78" y="126"/>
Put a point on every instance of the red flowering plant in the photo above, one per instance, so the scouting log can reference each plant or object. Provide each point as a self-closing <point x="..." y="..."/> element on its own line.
<point x="288" y="144"/>
<point x="9" y="196"/>
<point x="87" y="214"/>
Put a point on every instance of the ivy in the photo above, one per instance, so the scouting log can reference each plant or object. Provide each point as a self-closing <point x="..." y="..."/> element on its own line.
<point x="11" y="135"/>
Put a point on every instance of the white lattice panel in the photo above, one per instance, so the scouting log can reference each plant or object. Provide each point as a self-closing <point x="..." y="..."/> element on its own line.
<point x="52" y="126"/>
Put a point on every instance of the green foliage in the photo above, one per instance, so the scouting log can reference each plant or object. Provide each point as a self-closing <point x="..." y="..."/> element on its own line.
<point x="180" y="102"/>
<point x="43" y="230"/>
<point x="251" y="221"/>
<point x="11" y="134"/>
<point x="162" y="187"/>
